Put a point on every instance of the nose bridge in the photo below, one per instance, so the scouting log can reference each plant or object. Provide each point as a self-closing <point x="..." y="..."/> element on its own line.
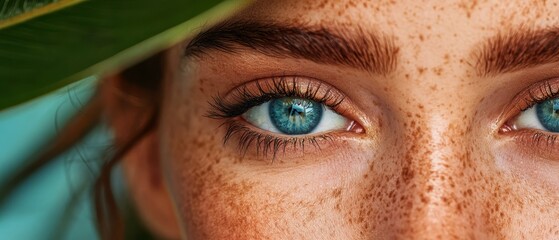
<point x="434" y="168"/>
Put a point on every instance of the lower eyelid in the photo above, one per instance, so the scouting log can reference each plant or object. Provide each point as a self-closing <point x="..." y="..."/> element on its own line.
<point x="536" y="143"/>
<point x="250" y="139"/>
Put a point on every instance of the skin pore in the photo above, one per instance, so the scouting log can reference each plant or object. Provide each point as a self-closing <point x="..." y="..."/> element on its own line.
<point x="434" y="156"/>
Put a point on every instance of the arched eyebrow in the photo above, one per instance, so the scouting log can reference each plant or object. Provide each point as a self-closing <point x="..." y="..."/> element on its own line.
<point x="337" y="46"/>
<point x="518" y="49"/>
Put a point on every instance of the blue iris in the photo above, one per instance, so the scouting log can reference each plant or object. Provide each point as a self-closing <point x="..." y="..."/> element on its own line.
<point x="548" y="114"/>
<point x="295" y="116"/>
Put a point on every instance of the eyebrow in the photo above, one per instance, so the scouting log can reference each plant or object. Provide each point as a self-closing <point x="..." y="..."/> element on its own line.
<point x="336" y="46"/>
<point x="518" y="49"/>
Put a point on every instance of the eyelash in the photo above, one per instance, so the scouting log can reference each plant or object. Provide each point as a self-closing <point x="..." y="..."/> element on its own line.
<point x="544" y="92"/>
<point x="243" y="98"/>
<point x="265" y="143"/>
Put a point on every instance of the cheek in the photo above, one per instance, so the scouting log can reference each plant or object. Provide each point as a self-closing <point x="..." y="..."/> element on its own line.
<point x="526" y="195"/>
<point x="218" y="196"/>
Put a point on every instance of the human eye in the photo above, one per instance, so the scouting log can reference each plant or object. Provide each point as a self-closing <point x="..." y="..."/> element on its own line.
<point x="537" y="120"/>
<point x="295" y="116"/>
<point x="275" y="113"/>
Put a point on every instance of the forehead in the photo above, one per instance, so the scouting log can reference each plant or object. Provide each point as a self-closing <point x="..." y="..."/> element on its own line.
<point x="403" y="20"/>
<point x="427" y="33"/>
<point x="385" y="14"/>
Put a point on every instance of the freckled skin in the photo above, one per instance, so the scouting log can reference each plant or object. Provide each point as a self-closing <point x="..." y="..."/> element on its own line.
<point x="436" y="169"/>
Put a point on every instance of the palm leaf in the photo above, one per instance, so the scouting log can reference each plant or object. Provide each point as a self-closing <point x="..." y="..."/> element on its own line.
<point x="47" y="44"/>
<point x="15" y="11"/>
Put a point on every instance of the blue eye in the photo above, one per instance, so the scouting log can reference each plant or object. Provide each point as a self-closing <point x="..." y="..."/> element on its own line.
<point x="543" y="116"/>
<point x="548" y="114"/>
<point x="295" y="116"/>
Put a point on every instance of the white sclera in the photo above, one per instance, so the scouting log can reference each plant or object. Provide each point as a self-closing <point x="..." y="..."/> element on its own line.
<point x="259" y="116"/>
<point x="529" y="119"/>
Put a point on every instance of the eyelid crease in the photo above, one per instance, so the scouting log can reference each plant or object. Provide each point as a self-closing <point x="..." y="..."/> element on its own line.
<point x="241" y="99"/>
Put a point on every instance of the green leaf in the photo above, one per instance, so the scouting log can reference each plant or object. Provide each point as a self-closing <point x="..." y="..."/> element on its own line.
<point x="16" y="11"/>
<point x="71" y="40"/>
<point x="12" y="8"/>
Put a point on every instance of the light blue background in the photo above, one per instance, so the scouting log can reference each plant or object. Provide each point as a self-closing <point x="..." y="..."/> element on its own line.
<point x="41" y="208"/>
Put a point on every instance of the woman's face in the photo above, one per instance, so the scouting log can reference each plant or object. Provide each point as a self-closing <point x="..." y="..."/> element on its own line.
<point x="368" y="119"/>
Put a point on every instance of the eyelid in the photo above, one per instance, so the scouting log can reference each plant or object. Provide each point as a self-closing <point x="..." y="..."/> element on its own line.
<point x="238" y="100"/>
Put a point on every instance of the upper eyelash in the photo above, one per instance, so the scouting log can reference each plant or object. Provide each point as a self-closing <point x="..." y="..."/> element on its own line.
<point x="545" y="91"/>
<point x="243" y="98"/>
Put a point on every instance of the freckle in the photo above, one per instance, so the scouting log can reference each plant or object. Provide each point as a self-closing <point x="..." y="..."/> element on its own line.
<point x="459" y="208"/>
<point x="438" y="71"/>
<point x="413" y="124"/>
<point x="337" y="192"/>
<point x="424" y="199"/>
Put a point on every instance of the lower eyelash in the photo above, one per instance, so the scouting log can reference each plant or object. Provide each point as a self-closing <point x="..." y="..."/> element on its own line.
<point x="267" y="144"/>
<point x="550" y="140"/>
